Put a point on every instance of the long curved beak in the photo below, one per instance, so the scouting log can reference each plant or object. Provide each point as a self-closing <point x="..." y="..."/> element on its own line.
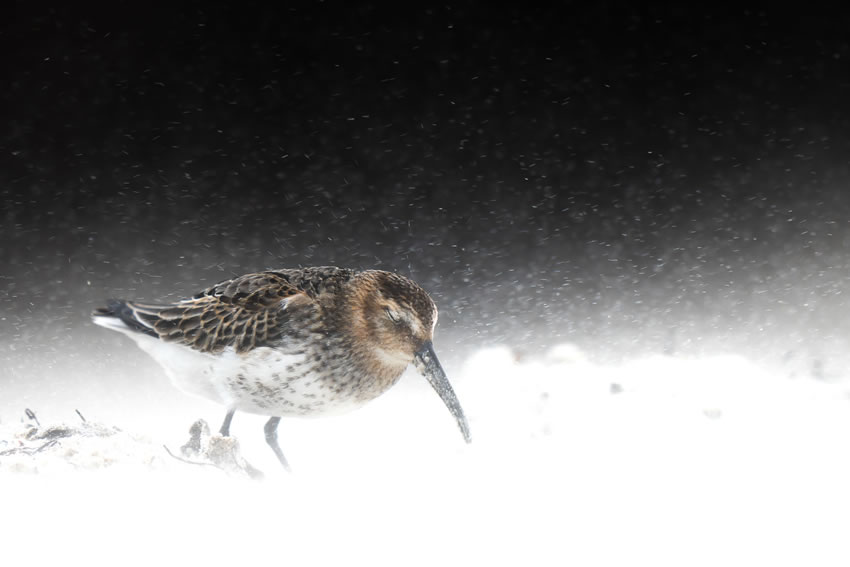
<point x="426" y="362"/>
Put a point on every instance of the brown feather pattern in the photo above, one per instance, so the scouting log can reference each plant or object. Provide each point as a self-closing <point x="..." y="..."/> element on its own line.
<point x="245" y="313"/>
<point x="311" y="341"/>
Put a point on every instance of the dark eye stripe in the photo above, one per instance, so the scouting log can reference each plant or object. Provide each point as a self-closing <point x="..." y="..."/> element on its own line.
<point x="392" y="317"/>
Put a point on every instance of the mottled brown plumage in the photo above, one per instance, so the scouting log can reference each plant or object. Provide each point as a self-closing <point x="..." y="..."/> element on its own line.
<point x="307" y="341"/>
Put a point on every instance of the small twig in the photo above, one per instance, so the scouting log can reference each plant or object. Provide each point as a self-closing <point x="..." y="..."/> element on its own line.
<point x="28" y="450"/>
<point x="187" y="461"/>
<point x="31" y="415"/>
<point x="55" y="432"/>
<point x="254" y="474"/>
<point x="50" y="443"/>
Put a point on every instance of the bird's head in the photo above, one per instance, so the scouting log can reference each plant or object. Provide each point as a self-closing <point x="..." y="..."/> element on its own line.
<point x="396" y="319"/>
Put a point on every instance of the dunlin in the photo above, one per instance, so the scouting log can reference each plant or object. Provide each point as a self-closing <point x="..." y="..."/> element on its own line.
<point x="291" y="342"/>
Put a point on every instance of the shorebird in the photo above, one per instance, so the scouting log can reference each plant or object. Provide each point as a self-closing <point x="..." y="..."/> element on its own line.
<point x="291" y="342"/>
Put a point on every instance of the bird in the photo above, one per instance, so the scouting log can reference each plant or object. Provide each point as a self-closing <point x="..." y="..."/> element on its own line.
<point x="309" y="341"/>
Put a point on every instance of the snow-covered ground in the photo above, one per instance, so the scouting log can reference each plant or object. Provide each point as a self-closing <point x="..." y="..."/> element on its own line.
<point x="658" y="461"/>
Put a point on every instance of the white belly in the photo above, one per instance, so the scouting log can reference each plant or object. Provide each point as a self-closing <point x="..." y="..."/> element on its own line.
<point x="263" y="381"/>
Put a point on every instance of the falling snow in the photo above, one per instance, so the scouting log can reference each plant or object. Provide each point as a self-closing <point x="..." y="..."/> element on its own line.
<point x="634" y="222"/>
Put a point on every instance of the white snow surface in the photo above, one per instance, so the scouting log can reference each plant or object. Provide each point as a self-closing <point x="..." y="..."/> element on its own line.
<point x="658" y="461"/>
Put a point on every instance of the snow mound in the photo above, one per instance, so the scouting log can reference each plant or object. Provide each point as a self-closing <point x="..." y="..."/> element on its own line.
<point x="30" y="447"/>
<point x="661" y="460"/>
<point x="53" y="449"/>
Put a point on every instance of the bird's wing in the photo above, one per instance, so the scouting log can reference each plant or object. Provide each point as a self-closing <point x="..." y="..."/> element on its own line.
<point x="245" y="313"/>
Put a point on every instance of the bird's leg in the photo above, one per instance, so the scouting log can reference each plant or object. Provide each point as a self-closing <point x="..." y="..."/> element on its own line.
<point x="271" y="439"/>
<point x="225" y="427"/>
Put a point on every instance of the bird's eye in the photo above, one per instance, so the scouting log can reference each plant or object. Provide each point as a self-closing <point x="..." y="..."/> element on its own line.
<point x="394" y="317"/>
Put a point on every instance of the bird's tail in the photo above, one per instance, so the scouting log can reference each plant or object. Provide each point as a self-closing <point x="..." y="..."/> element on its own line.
<point x="119" y="315"/>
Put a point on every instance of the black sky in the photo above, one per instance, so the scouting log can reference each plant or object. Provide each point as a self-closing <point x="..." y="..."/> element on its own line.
<point x="621" y="177"/>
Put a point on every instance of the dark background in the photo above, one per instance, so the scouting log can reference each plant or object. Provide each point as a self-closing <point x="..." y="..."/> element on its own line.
<point x="630" y="179"/>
